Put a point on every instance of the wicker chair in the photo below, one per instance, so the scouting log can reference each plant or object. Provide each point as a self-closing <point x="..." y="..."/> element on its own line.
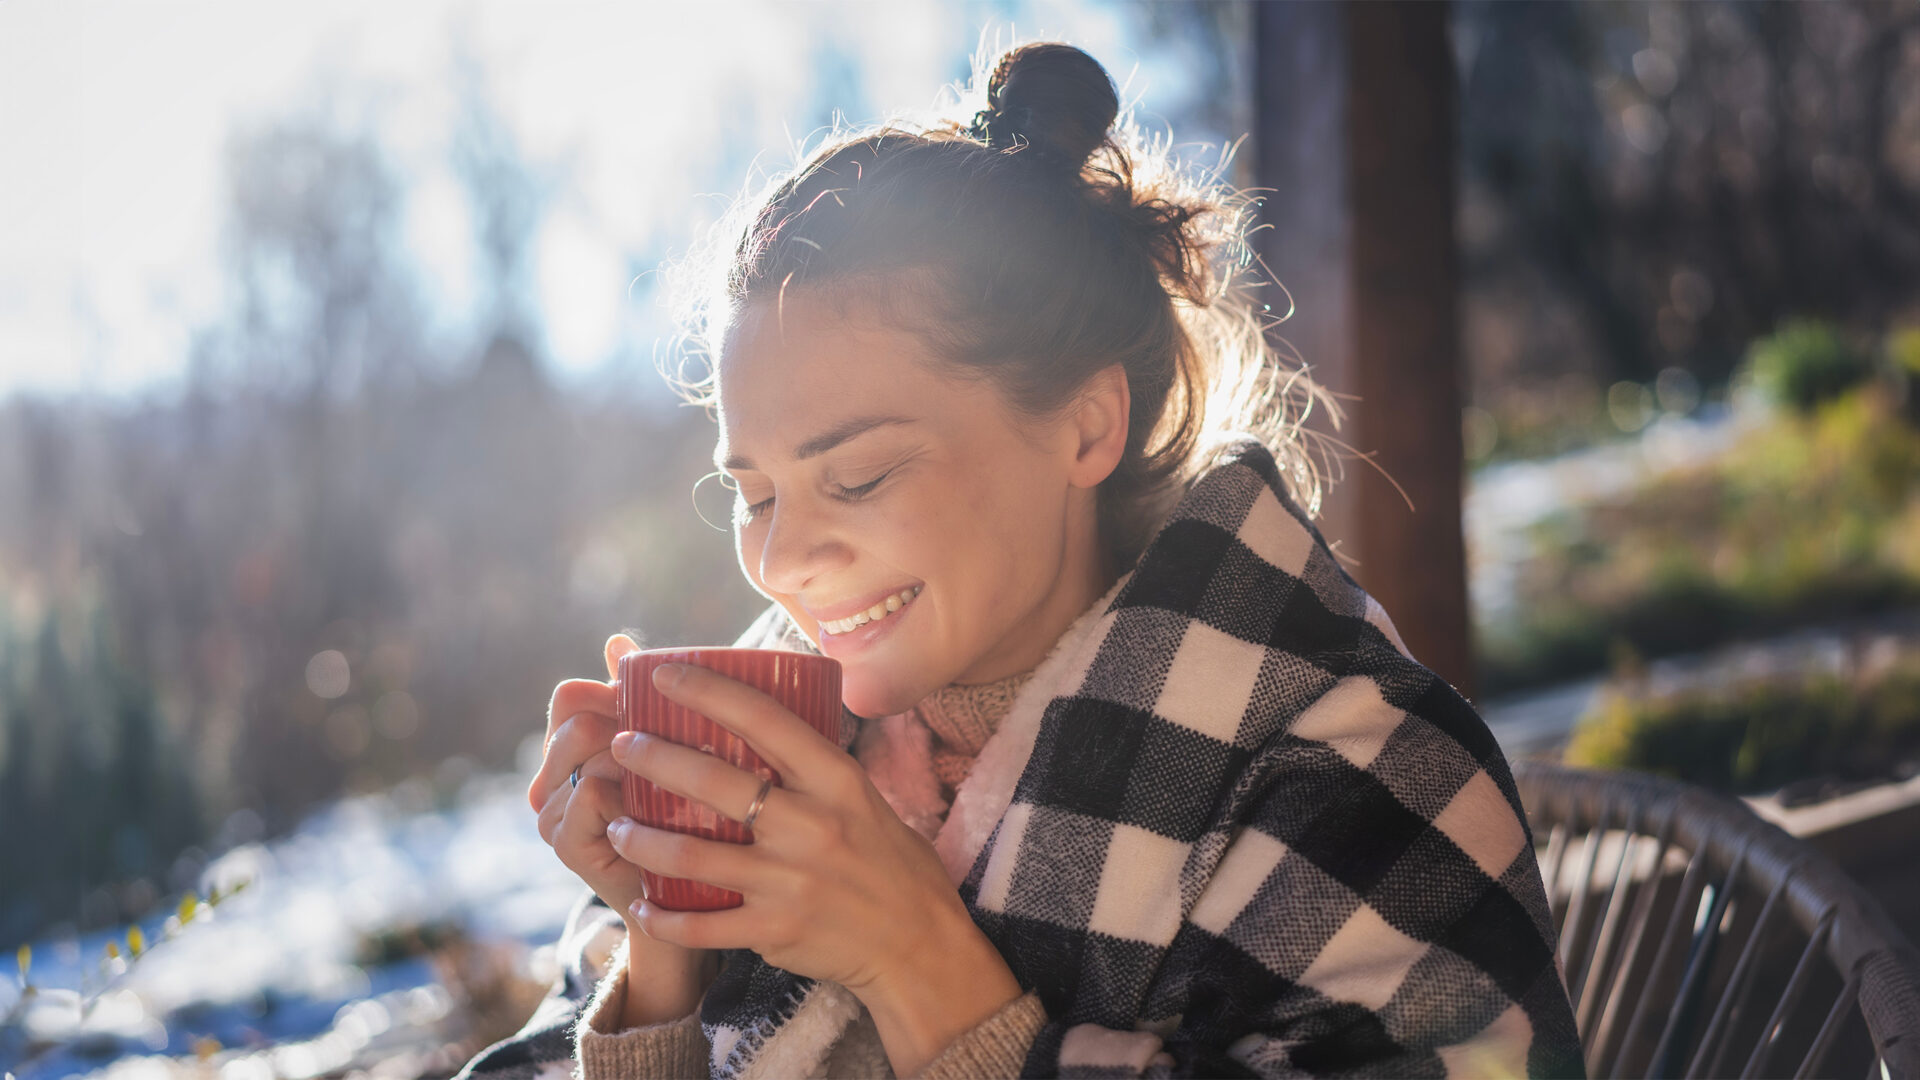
<point x="1696" y="939"/>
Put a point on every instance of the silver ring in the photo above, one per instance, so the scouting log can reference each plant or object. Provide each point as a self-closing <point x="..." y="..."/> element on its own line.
<point x="759" y="801"/>
<point x="576" y="776"/>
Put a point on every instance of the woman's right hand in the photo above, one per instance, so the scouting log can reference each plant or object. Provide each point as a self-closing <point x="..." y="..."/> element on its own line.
<point x="582" y="719"/>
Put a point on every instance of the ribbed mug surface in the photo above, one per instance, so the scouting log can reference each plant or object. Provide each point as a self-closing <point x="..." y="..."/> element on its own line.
<point x="806" y="684"/>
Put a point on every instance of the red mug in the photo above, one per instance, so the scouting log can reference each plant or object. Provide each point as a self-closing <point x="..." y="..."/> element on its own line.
<point x="806" y="684"/>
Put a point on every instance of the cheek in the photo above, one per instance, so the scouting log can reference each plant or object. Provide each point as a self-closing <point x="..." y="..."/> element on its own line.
<point x="1003" y="539"/>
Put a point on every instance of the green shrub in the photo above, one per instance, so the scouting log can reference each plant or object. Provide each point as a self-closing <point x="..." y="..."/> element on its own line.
<point x="1807" y="518"/>
<point x="1903" y="351"/>
<point x="1754" y="736"/>
<point x="1805" y="362"/>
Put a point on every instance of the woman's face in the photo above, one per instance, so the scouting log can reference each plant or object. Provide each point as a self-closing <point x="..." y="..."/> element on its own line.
<point x="909" y="522"/>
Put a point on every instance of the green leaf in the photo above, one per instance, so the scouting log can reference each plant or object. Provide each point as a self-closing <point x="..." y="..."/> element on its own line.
<point x="216" y="895"/>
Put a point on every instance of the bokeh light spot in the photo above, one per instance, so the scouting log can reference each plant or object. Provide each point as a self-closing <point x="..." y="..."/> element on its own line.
<point x="328" y="675"/>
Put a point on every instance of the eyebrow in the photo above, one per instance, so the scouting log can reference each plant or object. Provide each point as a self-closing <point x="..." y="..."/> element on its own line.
<point x="828" y="439"/>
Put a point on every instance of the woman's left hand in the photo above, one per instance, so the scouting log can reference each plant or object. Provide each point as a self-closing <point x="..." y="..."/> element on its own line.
<point x="835" y="885"/>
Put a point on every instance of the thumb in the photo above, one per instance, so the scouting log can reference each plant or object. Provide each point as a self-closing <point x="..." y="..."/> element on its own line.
<point x="618" y="646"/>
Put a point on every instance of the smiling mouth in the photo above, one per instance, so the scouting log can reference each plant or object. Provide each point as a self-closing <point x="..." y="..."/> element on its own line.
<point x="898" y="601"/>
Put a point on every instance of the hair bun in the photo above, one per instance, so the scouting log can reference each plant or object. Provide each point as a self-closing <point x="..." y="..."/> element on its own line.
<point x="1052" y="95"/>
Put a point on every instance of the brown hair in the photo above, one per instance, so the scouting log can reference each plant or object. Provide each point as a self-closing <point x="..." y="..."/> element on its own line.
<point x="1036" y="245"/>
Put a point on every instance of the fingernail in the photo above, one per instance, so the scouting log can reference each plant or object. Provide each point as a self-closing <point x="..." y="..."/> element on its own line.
<point x="638" y="909"/>
<point x="618" y="827"/>
<point x="622" y="741"/>
<point x="667" y="676"/>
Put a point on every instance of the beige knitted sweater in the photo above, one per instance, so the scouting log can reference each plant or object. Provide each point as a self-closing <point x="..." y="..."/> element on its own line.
<point x="961" y="719"/>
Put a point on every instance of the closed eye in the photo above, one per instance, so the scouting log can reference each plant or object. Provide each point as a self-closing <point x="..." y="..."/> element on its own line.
<point x="749" y="511"/>
<point x="854" y="493"/>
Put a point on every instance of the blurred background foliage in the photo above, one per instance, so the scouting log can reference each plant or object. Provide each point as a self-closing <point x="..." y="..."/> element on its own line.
<point x="1807" y="731"/>
<point x="1809" y="516"/>
<point x="1649" y="187"/>
<point x="342" y="548"/>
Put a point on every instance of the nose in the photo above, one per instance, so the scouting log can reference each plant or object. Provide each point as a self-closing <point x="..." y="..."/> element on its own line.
<point x="800" y="544"/>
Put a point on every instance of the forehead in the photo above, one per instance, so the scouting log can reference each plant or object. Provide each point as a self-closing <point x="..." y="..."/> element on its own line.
<point x="785" y="371"/>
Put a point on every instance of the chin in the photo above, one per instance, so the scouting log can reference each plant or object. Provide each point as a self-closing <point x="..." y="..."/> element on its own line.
<point x="874" y="697"/>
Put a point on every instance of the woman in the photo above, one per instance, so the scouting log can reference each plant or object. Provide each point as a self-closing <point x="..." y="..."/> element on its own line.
<point x="1153" y="788"/>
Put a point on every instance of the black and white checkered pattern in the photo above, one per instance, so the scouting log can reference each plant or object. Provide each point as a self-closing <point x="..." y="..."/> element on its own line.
<point x="1253" y="837"/>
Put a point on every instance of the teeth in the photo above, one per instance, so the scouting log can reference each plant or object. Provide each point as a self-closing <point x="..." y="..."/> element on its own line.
<point x="878" y="611"/>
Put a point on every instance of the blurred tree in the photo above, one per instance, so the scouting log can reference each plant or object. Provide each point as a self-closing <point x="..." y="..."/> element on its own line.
<point x="93" y="788"/>
<point x="312" y="245"/>
<point x="509" y="196"/>
<point x="1655" y="184"/>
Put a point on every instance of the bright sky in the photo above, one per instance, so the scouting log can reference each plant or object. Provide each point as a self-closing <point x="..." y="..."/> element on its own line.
<point x="114" y="116"/>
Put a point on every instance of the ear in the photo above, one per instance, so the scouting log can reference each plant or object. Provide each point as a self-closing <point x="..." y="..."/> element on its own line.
<point x="1098" y="424"/>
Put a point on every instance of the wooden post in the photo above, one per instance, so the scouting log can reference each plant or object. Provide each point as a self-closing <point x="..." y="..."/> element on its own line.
<point x="1356" y="137"/>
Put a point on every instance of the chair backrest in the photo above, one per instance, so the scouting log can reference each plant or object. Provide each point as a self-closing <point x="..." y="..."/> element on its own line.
<point x="1696" y="939"/>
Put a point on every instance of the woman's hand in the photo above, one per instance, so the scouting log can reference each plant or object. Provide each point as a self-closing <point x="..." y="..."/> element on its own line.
<point x="581" y="720"/>
<point x="835" y="885"/>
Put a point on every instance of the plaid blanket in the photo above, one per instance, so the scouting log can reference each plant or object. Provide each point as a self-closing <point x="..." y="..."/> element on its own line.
<point x="1229" y="828"/>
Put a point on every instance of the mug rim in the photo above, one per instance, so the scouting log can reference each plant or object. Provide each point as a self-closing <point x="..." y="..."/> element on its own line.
<point x="725" y="649"/>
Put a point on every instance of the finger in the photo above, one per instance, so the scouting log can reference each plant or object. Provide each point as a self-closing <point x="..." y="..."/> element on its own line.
<point x="552" y="809"/>
<point x="578" y="696"/>
<point x="696" y="774"/>
<point x="590" y="807"/>
<point x="577" y="739"/>
<point x="729" y="928"/>
<point x="804" y="758"/>
<point x="575" y="742"/>
<point x="618" y="646"/>
<point x="695" y="858"/>
<point x="601" y="766"/>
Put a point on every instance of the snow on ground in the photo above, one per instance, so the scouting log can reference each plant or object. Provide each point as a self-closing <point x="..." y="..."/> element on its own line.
<point x="275" y="962"/>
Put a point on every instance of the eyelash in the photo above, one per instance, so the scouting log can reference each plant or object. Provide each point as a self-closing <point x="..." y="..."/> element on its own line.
<point x="849" y="494"/>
